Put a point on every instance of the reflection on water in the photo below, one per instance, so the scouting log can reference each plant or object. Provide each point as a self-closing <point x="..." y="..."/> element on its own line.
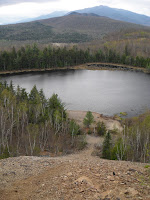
<point x="106" y="92"/>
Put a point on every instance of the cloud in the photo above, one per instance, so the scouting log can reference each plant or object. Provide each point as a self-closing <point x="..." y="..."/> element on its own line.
<point x="10" y="2"/>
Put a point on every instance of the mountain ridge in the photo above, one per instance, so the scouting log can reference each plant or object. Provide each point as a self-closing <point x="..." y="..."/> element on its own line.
<point x="118" y="14"/>
<point x="113" y="13"/>
<point x="73" y="28"/>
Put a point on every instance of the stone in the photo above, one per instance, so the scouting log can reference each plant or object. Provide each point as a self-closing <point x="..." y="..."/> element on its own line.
<point x="105" y="194"/>
<point x="111" y="178"/>
<point x="132" y="170"/>
<point x="131" y="191"/>
<point x="69" y="174"/>
<point x="85" y="180"/>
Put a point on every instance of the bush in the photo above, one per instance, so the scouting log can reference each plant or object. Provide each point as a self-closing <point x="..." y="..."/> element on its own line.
<point x="119" y="150"/>
<point x="5" y="153"/>
<point x="81" y="143"/>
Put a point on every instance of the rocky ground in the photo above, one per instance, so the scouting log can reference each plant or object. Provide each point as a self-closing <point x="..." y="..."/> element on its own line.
<point x="78" y="176"/>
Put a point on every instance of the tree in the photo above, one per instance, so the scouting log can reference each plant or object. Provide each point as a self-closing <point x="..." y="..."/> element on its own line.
<point x="54" y="104"/>
<point x="74" y="129"/>
<point x="101" y="128"/>
<point x="106" y="153"/>
<point x="29" y="123"/>
<point x="148" y="67"/>
<point x="89" y="119"/>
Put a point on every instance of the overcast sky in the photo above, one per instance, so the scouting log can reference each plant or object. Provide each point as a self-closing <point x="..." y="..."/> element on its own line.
<point x="16" y="10"/>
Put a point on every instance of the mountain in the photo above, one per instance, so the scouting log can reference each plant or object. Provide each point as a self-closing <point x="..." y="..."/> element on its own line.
<point x="118" y="14"/>
<point x="51" y="15"/>
<point x="105" y="11"/>
<point x="73" y="28"/>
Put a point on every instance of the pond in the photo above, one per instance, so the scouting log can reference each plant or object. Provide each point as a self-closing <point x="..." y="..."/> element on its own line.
<point x="106" y="92"/>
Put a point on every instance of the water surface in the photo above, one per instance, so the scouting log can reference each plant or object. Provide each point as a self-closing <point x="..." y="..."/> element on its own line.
<point x="106" y="92"/>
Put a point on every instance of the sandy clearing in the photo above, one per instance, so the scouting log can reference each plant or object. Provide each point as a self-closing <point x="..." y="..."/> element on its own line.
<point x="109" y="122"/>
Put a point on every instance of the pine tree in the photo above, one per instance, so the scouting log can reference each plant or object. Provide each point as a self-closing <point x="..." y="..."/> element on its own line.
<point x="101" y="129"/>
<point x="106" y="153"/>
<point x="89" y="119"/>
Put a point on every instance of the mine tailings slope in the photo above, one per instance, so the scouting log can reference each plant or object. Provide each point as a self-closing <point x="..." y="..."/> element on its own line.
<point x="78" y="176"/>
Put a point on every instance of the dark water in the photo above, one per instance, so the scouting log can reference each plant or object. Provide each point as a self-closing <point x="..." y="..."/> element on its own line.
<point x="106" y="92"/>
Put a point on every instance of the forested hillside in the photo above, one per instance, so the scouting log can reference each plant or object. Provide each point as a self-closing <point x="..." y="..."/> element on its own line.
<point x="30" y="124"/>
<point x="37" y="31"/>
<point x="74" y="28"/>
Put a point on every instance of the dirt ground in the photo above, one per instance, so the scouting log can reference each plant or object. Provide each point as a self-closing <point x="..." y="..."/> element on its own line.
<point x="79" y="176"/>
<point x="109" y="122"/>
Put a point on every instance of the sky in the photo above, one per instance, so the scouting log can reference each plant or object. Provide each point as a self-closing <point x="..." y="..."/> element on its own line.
<point x="16" y="10"/>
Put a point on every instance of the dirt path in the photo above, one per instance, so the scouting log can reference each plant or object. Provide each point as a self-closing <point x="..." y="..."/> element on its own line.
<point x="77" y="176"/>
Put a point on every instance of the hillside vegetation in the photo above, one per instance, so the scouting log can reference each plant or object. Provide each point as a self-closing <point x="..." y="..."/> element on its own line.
<point x="73" y="28"/>
<point x="30" y="124"/>
<point x="38" y="31"/>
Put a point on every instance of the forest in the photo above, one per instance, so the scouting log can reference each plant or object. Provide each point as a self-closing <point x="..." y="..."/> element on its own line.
<point x="133" y="144"/>
<point x="31" y="57"/>
<point x="31" y="124"/>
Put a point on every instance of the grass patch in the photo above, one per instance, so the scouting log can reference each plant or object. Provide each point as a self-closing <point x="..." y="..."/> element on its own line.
<point x="146" y="166"/>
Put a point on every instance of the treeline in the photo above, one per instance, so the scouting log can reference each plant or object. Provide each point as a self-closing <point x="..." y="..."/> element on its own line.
<point x="31" y="57"/>
<point x="133" y="144"/>
<point x="31" y="124"/>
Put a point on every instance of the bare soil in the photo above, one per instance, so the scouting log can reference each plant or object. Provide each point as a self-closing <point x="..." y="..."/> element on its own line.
<point x="79" y="176"/>
<point x="109" y="122"/>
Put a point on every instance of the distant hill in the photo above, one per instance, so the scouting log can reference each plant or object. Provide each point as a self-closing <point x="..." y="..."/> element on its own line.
<point x="118" y="14"/>
<point x="92" y="26"/>
<point x="105" y="11"/>
<point x="51" y="15"/>
<point x="73" y="28"/>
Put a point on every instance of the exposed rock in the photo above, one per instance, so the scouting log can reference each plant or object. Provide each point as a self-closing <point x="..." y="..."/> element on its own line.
<point x="111" y="178"/>
<point x="114" y="67"/>
<point x="85" y="180"/>
<point x="105" y="194"/>
<point x="131" y="192"/>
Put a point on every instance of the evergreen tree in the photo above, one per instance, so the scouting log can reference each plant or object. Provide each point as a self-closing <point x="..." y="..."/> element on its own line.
<point x="106" y="153"/>
<point x="89" y="119"/>
<point x="101" y="128"/>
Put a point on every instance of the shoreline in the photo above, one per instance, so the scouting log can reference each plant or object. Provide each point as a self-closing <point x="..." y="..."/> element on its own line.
<point x="110" y="122"/>
<point x="87" y="66"/>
